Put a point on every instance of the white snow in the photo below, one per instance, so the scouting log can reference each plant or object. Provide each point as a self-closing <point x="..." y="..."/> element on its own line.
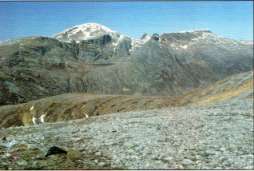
<point x="246" y="42"/>
<point x="42" y="118"/>
<point x="92" y="30"/>
<point x="146" y="38"/>
<point x="34" y="120"/>
<point x="135" y="43"/>
<point x="83" y="32"/>
<point x="184" y="46"/>
<point x="179" y="46"/>
<point x="10" y="144"/>
<point x="118" y="40"/>
<point x="31" y="108"/>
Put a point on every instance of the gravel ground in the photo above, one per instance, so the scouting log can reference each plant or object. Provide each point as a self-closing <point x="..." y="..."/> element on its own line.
<point x="215" y="137"/>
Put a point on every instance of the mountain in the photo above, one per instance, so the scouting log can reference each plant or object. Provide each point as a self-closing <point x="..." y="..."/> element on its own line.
<point x="172" y="63"/>
<point x="91" y="58"/>
<point x="173" y="101"/>
<point x="84" y="32"/>
<point x="116" y="44"/>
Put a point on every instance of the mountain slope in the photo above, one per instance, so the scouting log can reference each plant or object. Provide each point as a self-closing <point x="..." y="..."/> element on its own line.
<point x="76" y="105"/>
<point x="37" y="67"/>
<point x="230" y="89"/>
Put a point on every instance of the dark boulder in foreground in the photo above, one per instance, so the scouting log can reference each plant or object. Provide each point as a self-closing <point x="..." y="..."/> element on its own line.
<point x="55" y="150"/>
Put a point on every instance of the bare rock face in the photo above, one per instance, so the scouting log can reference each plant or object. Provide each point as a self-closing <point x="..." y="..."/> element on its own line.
<point x="155" y="37"/>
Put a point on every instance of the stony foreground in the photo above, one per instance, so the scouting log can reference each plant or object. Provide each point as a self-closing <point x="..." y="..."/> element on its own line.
<point x="216" y="137"/>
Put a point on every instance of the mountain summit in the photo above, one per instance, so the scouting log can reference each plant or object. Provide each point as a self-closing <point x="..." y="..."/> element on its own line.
<point x="83" y="32"/>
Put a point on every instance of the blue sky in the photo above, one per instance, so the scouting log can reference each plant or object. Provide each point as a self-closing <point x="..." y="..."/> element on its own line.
<point x="229" y="19"/>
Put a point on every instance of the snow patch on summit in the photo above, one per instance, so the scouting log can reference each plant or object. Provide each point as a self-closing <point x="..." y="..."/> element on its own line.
<point x="83" y="32"/>
<point x="135" y="43"/>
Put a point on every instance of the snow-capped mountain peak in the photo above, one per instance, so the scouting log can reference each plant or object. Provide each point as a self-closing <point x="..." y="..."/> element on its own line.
<point x="83" y="32"/>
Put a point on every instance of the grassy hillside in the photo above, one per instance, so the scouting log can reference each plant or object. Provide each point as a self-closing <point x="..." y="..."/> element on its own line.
<point x="239" y="86"/>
